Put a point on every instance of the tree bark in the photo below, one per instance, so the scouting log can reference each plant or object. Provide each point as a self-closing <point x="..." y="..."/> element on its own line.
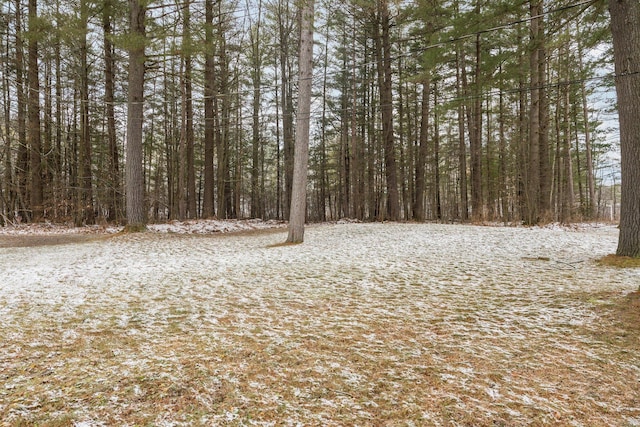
<point x="546" y="173"/>
<point x="301" y="153"/>
<point x="186" y="176"/>
<point x="322" y="169"/>
<point x="47" y="139"/>
<point x="284" y="35"/>
<point x="189" y="132"/>
<point x="257" y="195"/>
<point x="591" y="202"/>
<point x="462" y="145"/>
<point x="222" y="109"/>
<point x="475" y="140"/>
<point x="503" y="194"/>
<point x="436" y="157"/>
<point x="33" y="108"/>
<point x="9" y="189"/>
<point x="625" y="27"/>
<point x="209" y="113"/>
<point x="136" y="212"/>
<point x="278" y="151"/>
<point x="421" y="158"/>
<point x="383" y="60"/>
<point x="59" y="178"/>
<point x="533" y="175"/>
<point x="113" y="185"/>
<point x="22" y="158"/>
<point x="85" y="214"/>
<point x="183" y="192"/>
<point x="568" y="194"/>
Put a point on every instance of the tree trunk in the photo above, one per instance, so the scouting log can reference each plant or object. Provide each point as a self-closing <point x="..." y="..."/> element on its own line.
<point x="136" y="213"/>
<point x="533" y="175"/>
<point x="522" y="146"/>
<point x="33" y="128"/>
<point x="222" y="108"/>
<point x="475" y="140"/>
<point x="591" y="203"/>
<point x="462" y="145"/>
<point x="625" y="26"/>
<point x="209" y="113"/>
<point x="301" y="159"/>
<point x="186" y="176"/>
<point x="257" y="195"/>
<point x="421" y="157"/>
<point x="239" y="152"/>
<point x="9" y="189"/>
<point x="357" y="138"/>
<point x="322" y="170"/>
<point x="383" y="60"/>
<point x="169" y="156"/>
<point x="568" y="195"/>
<point x="284" y="39"/>
<point x="188" y="114"/>
<point x="85" y="213"/>
<point x="503" y="194"/>
<point x="22" y="158"/>
<point x="345" y="168"/>
<point x="113" y="173"/>
<point x="406" y="200"/>
<point x="183" y="192"/>
<point x="436" y="156"/>
<point x="59" y="177"/>
<point x="544" y="150"/>
<point x="47" y="139"/>
<point x="278" y="153"/>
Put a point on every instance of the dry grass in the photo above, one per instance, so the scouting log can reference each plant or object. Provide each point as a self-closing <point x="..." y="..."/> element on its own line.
<point x="620" y="261"/>
<point x="239" y="334"/>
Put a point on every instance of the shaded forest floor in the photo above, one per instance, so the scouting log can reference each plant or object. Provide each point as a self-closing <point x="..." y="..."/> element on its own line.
<point x="363" y="324"/>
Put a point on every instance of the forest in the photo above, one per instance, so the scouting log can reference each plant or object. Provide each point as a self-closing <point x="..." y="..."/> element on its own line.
<point x="184" y="119"/>
<point x="452" y="110"/>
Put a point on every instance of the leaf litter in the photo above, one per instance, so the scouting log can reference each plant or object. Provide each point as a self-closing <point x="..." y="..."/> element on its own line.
<point x="363" y="324"/>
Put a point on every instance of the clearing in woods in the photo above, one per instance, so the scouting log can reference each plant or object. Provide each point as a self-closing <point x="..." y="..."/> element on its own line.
<point x="363" y="324"/>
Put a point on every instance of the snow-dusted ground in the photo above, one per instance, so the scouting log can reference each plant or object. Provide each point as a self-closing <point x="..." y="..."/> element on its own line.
<point x="178" y="227"/>
<point x="363" y="324"/>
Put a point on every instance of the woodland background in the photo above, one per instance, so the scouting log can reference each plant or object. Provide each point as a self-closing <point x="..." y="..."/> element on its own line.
<point x="427" y="110"/>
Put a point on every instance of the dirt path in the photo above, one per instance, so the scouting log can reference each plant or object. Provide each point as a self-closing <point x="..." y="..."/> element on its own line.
<point x="24" y="241"/>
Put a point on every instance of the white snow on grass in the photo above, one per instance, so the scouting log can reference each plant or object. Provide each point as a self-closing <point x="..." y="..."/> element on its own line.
<point x="363" y="324"/>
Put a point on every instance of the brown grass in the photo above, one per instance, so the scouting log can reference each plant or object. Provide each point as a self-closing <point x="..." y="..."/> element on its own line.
<point x="23" y="241"/>
<point x="619" y="261"/>
<point x="323" y="346"/>
<point x="283" y="244"/>
<point x="323" y="371"/>
<point x="622" y="323"/>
